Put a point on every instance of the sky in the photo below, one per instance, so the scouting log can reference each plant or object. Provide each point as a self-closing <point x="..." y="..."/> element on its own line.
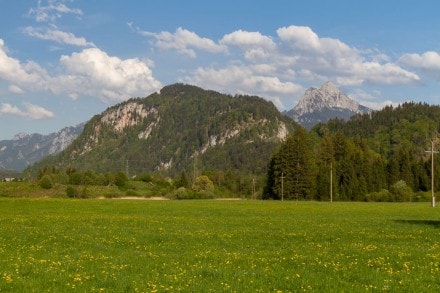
<point x="63" y="61"/>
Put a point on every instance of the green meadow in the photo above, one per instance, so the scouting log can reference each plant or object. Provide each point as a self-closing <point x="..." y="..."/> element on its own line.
<point x="114" y="245"/>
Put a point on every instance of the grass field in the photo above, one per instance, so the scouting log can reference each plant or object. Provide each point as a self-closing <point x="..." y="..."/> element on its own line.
<point x="59" y="245"/>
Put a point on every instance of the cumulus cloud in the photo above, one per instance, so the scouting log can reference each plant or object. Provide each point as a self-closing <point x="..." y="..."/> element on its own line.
<point x="254" y="44"/>
<point x="93" y="72"/>
<point x="30" y="111"/>
<point x="245" y="80"/>
<point x="51" y="10"/>
<point x="28" y="74"/>
<point x="184" y="41"/>
<point x="336" y="60"/>
<point x="53" y="34"/>
<point x="274" y="65"/>
<point x="428" y="62"/>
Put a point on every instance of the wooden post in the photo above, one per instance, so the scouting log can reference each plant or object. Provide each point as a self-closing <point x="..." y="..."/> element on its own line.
<point x="432" y="173"/>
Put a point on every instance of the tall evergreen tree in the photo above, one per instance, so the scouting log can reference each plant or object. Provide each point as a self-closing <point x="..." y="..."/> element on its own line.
<point x="292" y="170"/>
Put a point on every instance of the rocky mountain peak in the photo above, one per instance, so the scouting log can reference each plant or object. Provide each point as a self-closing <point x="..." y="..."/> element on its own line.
<point x="324" y="103"/>
<point x="330" y="89"/>
<point x="20" y="135"/>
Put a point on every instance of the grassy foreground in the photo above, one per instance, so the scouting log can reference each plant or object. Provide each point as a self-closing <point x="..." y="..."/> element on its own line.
<point x="60" y="245"/>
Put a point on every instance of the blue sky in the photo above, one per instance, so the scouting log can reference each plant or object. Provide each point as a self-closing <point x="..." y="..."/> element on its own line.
<point x="63" y="61"/>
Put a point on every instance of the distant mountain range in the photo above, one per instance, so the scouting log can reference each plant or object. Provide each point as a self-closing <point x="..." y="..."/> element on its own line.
<point x="324" y="103"/>
<point x="25" y="149"/>
<point x="181" y="128"/>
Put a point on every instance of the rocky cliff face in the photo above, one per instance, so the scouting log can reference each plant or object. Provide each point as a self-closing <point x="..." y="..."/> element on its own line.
<point x="25" y="149"/>
<point x="324" y="103"/>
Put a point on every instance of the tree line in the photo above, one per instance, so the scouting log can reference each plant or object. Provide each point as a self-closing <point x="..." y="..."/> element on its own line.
<point x="370" y="158"/>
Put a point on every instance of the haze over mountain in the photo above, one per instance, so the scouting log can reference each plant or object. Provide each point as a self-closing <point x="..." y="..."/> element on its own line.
<point x="181" y="128"/>
<point x="324" y="103"/>
<point x="25" y="149"/>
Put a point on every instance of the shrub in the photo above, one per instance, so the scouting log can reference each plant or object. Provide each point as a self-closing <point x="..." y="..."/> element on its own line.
<point x="84" y="192"/>
<point x="145" y="177"/>
<point x="401" y="192"/>
<point x="72" y="192"/>
<point x="183" y="193"/>
<point x="203" y="184"/>
<point x="380" y="196"/>
<point x="121" y="179"/>
<point x="131" y="192"/>
<point x="46" y="182"/>
<point x="75" y="192"/>
<point x="422" y="196"/>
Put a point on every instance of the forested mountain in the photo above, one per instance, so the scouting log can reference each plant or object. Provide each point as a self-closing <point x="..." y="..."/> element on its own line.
<point x="182" y="128"/>
<point x="25" y="149"/>
<point x="377" y="156"/>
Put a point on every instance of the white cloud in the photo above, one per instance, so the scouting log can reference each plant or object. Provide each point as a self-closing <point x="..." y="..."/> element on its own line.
<point x="428" y="62"/>
<point x="301" y="37"/>
<point x="13" y="89"/>
<point x="53" y="34"/>
<point x="184" y="41"/>
<point x="273" y="66"/>
<point x="29" y="74"/>
<point x="93" y="72"/>
<point x="37" y="112"/>
<point x="30" y="111"/>
<point x="245" y="80"/>
<point x="52" y="10"/>
<point x="254" y="44"/>
<point x="8" y="109"/>
<point x="386" y="74"/>
<point x="335" y="60"/>
<point x="371" y="100"/>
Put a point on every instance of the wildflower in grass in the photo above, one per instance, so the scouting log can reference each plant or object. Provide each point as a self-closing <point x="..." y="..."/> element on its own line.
<point x="7" y="278"/>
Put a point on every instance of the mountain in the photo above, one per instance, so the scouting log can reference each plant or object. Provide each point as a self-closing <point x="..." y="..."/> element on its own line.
<point x="181" y="128"/>
<point x="25" y="149"/>
<point x="323" y="104"/>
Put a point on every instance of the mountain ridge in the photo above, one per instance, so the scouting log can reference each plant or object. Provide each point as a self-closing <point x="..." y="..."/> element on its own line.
<point x="25" y="149"/>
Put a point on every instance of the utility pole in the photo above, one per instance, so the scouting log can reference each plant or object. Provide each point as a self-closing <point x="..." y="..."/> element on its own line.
<point x="432" y="172"/>
<point x="282" y="186"/>
<point x="331" y="181"/>
<point x="126" y="169"/>
<point x="253" y="188"/>
<point x="195" y="167"/>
